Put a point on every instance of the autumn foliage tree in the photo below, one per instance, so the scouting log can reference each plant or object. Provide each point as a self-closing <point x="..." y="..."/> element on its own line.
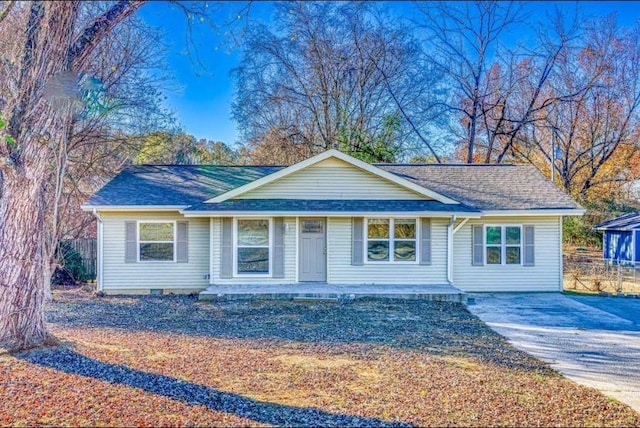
<point x="597" y="129"/>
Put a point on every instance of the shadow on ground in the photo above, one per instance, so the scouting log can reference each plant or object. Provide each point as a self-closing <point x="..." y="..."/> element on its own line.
<point x="438" y="328"/>
<point x="68" y="361"/>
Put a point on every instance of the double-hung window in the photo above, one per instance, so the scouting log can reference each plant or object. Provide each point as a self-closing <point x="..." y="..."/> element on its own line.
<point x="253" y="249"/>
<point x="156" y="241"/>
<point x="391" y="240"/>
<point x="503" y="245"/>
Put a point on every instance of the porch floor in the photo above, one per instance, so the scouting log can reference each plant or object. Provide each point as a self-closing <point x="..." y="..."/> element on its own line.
<point x="320" y="291"/>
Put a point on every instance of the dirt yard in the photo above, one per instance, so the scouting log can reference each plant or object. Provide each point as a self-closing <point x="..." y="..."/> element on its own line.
<point x="168" y="360"/>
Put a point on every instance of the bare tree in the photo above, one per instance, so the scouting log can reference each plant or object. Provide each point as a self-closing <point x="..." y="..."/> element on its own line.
<point x="319" y="78"/>
<point x="516" y="88"/>
<point x="461" y="39"/>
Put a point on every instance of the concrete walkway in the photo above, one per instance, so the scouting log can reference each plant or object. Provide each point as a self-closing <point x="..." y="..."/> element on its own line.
<point x="332" y="291"/>
<point x="594" y="341"/>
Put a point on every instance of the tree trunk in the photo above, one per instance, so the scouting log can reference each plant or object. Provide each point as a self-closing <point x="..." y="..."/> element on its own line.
<point x="472" y="130"/>
<point x="24" y="262"/>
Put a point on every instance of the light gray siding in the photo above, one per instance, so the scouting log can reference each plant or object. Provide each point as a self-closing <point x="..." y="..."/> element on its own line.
<point x="119" y="276"/>
<point x="341" y="271"/>
<point x="290" y="240"/>
<point x="335" y="180"/>
<point x="544" y="276"/>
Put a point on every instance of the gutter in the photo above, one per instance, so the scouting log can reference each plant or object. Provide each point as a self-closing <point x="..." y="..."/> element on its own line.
<point x="435" y="214"/>
<point x="99" y="267"/>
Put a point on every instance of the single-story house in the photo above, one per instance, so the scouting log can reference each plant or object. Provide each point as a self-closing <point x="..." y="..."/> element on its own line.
<point x="621" y="239"/>
<point x="331" y="219"/>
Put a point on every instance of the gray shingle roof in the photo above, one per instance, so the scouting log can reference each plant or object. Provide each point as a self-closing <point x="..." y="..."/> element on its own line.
<point x="337" y="206"/>
<point x="174" y="184"/>
<point x="488" y="187"/>
<point x="629" y="221"/>
<point x="483" y="187"/>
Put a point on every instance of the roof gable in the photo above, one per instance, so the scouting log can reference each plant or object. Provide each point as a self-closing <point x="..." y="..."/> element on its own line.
<point x="628" y="221"/>
<point x="404" y="189"/>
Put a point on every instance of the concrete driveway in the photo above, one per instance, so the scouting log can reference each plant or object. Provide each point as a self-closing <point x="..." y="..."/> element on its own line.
<point x="592" y="340"/>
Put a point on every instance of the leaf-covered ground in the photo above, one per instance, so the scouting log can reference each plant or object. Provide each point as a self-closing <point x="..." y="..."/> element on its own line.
<point x="166" y="361"/>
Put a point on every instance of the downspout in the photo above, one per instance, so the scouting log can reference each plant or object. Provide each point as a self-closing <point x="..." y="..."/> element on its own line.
<point x="99" y="273"/>
<point x="561" y="258"/>
<point x="450" y="249"/>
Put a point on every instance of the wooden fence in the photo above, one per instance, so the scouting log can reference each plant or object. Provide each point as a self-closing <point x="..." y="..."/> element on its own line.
<point x="88" y="250"/>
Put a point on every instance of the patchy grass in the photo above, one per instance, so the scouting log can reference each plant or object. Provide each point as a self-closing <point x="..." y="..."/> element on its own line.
<point x="152" y="361"/>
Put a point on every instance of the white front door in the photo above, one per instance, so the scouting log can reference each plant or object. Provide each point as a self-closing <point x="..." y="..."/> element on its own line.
<point x="313" y="250"/>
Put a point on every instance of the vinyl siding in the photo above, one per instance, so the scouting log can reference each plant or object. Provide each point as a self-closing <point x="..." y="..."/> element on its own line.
<point x="290" y="252"/>
<point x="544" y="276"/>
<point x="340" y="270"/>
<point x="331" y="180"/>
<point x="142" y="276"/>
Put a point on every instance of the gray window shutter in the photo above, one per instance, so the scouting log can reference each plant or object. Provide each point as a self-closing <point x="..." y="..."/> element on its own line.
<point x="226" y="248"/>
<point x="528" y="258"/>
<point x="182" y="250"/>
<point x="131" y="242"/>
<point x="278" y="247"/>
<point x="425" y="241"/>
<point x="477" y="256"/>
<point x="357" y="250"/>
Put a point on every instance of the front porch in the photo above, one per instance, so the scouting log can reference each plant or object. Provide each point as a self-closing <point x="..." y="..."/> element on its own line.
<point x="321" y="291"/>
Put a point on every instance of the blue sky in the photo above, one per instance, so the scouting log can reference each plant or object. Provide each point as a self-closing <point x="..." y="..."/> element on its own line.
<point x="204" y="93"/>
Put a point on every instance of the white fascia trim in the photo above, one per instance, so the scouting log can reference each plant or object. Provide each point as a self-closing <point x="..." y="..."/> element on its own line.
<point x="326" y="214"/>
<point x="343" y="157"/>
<point x="531" y="213"/>
<point x="133" y="207"/>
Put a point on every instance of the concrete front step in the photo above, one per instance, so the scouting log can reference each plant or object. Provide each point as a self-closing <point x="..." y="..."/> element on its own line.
<point x="333" y="293"/>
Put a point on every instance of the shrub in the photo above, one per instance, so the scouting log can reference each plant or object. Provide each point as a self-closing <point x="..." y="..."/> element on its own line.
<point x="71" y="269"/>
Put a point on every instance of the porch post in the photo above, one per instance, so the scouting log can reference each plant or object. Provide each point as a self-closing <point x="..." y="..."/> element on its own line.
<point x="450" y="249"/>
<point x="99" y="236"/>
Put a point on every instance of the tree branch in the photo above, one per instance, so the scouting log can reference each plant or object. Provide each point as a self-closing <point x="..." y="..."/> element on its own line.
<point x="98" y="29"/>
<point x="5" y="12"/>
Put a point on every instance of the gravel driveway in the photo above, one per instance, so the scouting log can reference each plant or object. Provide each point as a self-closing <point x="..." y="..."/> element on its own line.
<point x="593" y="340"/>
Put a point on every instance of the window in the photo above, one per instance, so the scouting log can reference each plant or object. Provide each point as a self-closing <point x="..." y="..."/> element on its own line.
<point x="156" y="241"/>
<point x="252" y="246"/>
<point x="503" y="245"/>
<point x="391" y="240"/>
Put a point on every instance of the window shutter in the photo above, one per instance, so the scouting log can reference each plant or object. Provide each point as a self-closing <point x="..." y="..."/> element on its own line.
<point x="182" y="241"/>
<point x="278" y="247"/>
<point x="477" y="250"/>
<point x="425" y="241"/>
<point x="529" y="249"/>
<point x="357" y="251"/>
<point x="226" y="248"/>
<point x="131" y="242"/>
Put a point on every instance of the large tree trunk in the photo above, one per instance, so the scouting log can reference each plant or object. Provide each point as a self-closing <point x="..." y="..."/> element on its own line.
<point x="39" y="117"/>
<point x="24" y="262"/>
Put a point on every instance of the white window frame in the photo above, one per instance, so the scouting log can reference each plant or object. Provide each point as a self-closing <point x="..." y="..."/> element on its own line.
<point x="235" y="249"/>
<point x="503" y="244"/>
<point x="139" y="242"/>
<point x="391" y="240"/>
